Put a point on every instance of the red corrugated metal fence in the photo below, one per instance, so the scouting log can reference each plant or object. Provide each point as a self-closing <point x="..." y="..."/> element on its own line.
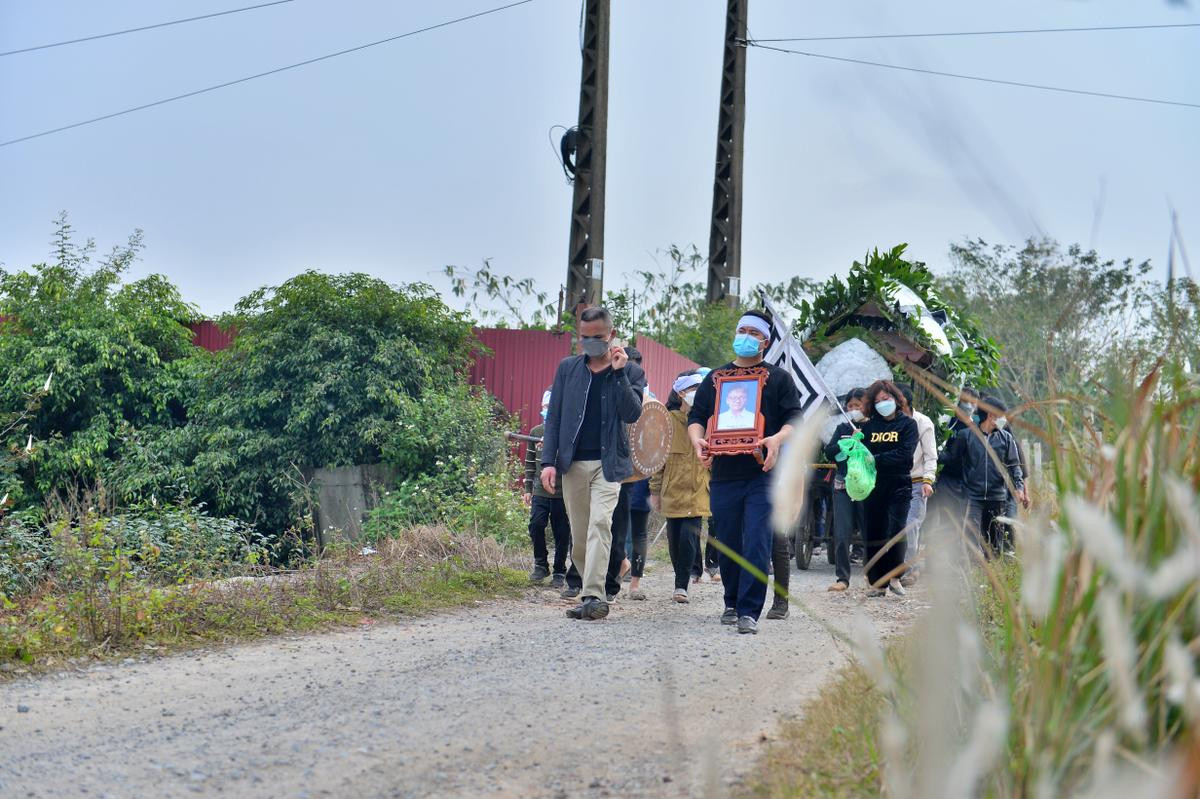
<point x="519" y="367"/>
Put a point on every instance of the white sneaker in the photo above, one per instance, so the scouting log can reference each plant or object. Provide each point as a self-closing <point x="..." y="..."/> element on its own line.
<point x="896" y="588"/>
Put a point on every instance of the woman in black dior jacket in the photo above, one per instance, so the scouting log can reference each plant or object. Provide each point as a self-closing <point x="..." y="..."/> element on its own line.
<point x="891" y="436"/>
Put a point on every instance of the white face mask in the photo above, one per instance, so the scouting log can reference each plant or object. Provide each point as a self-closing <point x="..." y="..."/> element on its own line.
<point x="687" y="398"/>
<point x="856" y="415"/>
<point x="1001" y="423"/>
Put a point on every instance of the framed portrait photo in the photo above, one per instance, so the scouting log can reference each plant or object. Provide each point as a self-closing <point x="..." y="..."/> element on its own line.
<point x="736" y="426"/>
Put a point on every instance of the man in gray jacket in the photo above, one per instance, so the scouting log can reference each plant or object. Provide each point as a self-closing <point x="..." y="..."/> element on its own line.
<point x="585" y="444"/>
<point x="986" y="485"/>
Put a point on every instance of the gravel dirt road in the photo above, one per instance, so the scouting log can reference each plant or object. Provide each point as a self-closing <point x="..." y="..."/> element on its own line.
<point x="506" y="698"/>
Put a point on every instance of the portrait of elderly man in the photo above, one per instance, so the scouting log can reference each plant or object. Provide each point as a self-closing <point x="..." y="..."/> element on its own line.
<point x="738" y="402"/>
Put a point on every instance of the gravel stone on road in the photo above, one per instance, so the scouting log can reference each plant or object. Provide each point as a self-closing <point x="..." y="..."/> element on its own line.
<point x="505" y="698"/>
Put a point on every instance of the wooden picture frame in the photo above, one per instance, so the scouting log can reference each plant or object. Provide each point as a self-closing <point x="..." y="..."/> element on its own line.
<point x="736" y="428"/>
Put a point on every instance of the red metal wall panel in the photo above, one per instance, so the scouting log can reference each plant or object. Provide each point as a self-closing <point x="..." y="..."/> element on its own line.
<point x="661" y="365"/>
<point x="210" y="336"/>
<point x="520" y="367"/>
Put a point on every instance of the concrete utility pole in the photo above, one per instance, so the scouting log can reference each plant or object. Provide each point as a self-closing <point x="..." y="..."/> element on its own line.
<point x="725" y="240"/>
<point x="585" y="265"/>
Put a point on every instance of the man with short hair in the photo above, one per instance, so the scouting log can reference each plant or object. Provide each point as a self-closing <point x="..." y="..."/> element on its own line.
<point x="586" y="446"/>
<point x="737" y="416"/>
<point x="739" y="491"/>
<point x="984" y="484"/>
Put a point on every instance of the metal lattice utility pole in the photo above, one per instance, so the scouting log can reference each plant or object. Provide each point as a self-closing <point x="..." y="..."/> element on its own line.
<point x="725" y="240"/>
<point x="585" y="266"/>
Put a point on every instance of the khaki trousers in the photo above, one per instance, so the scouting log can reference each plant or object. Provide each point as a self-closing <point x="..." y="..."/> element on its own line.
<point x="590" y="501"/>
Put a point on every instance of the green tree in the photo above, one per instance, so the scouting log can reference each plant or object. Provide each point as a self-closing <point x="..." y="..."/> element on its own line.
<point x="114" y="351"/>
<point x="323" y="370"/>
<point x="1061" y="316"/>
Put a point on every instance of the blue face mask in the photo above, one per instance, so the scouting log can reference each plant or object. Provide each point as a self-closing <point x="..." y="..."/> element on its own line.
<point x="976" y="418"/>
<point x="886" y="408"/>
<point x="544" y="415"/>
<point x="745" y="345"/>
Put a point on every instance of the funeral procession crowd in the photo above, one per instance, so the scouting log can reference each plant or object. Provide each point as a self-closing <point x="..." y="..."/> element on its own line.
<point x="727" y="427"/>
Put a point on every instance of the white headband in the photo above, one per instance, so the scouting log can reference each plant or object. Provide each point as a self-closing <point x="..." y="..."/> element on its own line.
<point x="682" y="384"/>
<point x="545" y="398"/>
<point x="755" y="323"/>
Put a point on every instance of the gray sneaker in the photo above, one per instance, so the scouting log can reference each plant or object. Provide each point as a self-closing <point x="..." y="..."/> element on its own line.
<point x="729" y="616"/>
<point x="747" y="624"/>
<point x="538" y="574"/>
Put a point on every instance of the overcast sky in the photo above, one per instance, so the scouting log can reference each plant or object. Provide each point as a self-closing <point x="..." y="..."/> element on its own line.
<point x="433" y="150"/>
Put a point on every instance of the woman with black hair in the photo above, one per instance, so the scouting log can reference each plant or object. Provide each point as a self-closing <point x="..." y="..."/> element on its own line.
<point x="891" y="436"/>
<point x="847" y="514"/>
<point x="680" y="490"/>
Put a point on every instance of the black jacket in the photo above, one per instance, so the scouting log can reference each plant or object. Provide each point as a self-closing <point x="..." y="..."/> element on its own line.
<point x="779" y="403"/>
<point x="892" y="442"/>
<point x="620" y="404"/>
<point x="967" y="456"/>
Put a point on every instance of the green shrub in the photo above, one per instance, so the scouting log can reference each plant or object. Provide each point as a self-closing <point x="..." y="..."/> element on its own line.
<point x="110" y="347"/>
<point x="487" y="505"/>
<point x="321" y="374"/>
<point x="26" y="557"/>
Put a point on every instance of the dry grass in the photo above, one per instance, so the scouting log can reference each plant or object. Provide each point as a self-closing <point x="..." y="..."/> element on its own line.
<point x="97" y="611"/>
<point x="831" y="750"/>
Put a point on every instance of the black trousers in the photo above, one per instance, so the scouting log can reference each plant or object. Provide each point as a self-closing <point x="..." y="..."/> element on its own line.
<point x="708" y="559"/>
<point x="847" y="517"/>
<point x="683" y="541"/>
<point x="984" y="526"/>
<point x="781" y="561"/>
<point x="637" y="558"/>
<point x="552" y="511"/>
<point x="620" y="528"/>
<point x="885" y="514"/>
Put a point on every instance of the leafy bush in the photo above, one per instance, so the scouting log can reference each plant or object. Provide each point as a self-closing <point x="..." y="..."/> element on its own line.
<point x="167" y="544"/>
<point x="487" y="506"/>
<point x="111" y="348"/>
<point x="455" y="430"/>
<point x="321" y="374"/>
<point x="25" y="556"/>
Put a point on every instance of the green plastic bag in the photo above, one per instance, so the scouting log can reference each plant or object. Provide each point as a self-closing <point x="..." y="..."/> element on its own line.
<point x="860" y="466"/>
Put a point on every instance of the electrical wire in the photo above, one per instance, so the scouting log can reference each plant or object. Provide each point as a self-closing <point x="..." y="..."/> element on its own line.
<point x="143" y="28"/>
<point x="978" y="78"/>
<point x="977" y="33"/>
<point x="275" y="71"/>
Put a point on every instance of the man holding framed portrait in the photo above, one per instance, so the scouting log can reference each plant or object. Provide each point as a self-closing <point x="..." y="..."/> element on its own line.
<point x="740" y="418"/>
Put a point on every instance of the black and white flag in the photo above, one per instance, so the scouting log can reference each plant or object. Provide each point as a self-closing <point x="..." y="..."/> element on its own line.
<point x="785" y="352"/>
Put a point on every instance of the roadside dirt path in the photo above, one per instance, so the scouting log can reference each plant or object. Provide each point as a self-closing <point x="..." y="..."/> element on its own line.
<point x="503" y="699"/>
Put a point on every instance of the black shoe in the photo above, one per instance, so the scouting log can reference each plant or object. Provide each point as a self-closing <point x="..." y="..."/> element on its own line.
<point x="779" y="609"/>
<point x="747" y="624"/>
<point x="570" y="593"/>
<point x="594" y="609"/>
<point x="539" y="573"/>
<point x="729" y="616"/>
<point x="577" y="611"/>
<point x="558" y="581"/>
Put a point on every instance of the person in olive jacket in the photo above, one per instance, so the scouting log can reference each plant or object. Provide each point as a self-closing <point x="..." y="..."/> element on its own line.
<point x="679" y="491"/>
<point x="891" y="436"/>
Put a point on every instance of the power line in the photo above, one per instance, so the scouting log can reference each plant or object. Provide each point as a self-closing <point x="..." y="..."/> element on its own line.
<point x="978" y="78"/>
<point x="976" y="33"/>
<point x="143" y="28"/>
<point x="275" y="71"/>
